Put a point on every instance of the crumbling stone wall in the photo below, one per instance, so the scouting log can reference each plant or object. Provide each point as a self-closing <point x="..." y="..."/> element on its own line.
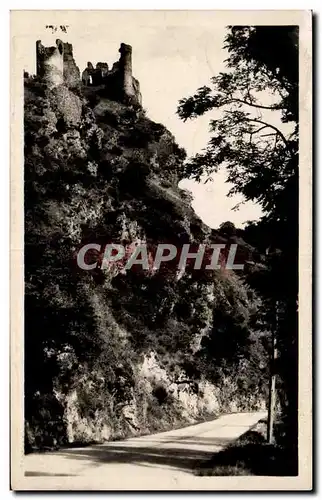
<point x="71" y="71"/>
<point x="56" y="65"/>
<point x="50" y="63"/>
<point x="95" y="76"/>
<point x="120" y="85"/>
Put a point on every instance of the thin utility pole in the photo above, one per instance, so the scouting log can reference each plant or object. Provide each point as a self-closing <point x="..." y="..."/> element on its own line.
<point x="272" y="381"/>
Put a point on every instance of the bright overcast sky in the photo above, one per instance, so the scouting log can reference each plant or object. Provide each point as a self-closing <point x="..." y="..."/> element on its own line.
<point x="171" y="59"/>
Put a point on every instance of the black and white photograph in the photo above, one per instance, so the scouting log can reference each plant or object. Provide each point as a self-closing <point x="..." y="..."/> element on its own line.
<point x="161" y="250"/>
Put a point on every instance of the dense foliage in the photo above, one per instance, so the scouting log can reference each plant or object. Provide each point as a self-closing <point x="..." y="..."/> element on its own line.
<point x="254" y="134"/>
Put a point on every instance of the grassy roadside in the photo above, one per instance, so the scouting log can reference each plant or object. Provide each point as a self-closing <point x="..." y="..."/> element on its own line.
<point x="252" y="455"/>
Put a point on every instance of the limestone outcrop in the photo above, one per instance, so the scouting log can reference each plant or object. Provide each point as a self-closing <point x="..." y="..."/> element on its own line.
<point x="56" y="66"/>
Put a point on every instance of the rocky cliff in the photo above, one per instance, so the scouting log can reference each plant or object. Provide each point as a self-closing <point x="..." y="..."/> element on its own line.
<point x="110" y="353"/>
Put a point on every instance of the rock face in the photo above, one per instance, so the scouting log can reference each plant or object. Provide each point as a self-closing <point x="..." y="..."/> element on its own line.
<point x="112" y="353"/>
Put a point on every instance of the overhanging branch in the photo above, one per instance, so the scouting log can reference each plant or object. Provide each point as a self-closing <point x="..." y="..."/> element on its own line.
<point x="259" y="106"/>
<point x="278" y="132"/>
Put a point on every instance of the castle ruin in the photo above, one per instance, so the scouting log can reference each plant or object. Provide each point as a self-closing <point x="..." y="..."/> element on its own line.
<point x="56" y="66"/>
<point x="50" y="63"/>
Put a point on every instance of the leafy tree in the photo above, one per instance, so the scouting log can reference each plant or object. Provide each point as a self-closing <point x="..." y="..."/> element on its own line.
<point x="261" y="159"/>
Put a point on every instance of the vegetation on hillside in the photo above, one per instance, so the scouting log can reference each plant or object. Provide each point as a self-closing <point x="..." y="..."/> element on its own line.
<point x="110" y="354"/>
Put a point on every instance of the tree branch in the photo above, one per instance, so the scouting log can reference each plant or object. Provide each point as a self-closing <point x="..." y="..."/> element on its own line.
<point x="258" y="130"/>
<point x="259" y="106"/>
<point x="278" y="132"/>
<point x="269" y="125"/>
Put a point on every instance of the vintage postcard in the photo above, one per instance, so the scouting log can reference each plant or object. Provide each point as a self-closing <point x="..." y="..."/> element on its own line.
<point x="161" y="250"/>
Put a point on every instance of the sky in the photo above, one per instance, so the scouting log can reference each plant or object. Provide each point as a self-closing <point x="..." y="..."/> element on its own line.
<point x="171" y="60"/>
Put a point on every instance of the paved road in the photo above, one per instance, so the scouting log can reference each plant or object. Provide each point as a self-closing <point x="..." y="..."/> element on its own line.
<point x="170" y="455"/>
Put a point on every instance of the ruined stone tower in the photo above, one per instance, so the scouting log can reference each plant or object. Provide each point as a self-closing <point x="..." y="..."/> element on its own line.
<point x="56" y="64"/>
<point x="119" y="83"/>
<point x="126" y="69"/>
<point x="50" y="63"/>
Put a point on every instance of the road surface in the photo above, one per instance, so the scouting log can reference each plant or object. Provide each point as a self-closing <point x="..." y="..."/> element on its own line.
<point x="168" y="455"/>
